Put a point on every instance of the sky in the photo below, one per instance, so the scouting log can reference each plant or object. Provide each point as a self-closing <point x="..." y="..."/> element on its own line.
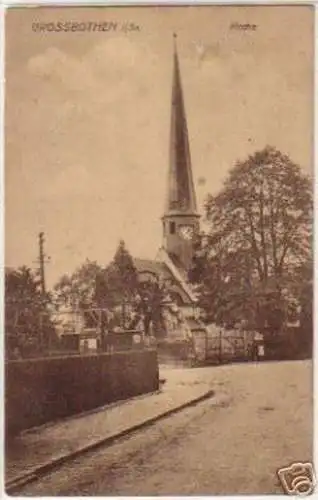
<point x="87" y="116"/>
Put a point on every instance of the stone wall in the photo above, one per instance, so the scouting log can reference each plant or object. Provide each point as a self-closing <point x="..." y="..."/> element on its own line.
<point x="41" y="390"/>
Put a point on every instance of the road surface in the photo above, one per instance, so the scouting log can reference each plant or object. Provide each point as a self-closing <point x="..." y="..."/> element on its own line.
<point x="234" y="443"/>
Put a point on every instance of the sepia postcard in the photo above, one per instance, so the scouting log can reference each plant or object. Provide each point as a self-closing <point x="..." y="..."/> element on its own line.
<point x="158" y="278"/>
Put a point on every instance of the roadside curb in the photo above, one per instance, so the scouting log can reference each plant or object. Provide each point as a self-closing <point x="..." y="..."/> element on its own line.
<point x="13" y="485"/>
<point x="87" y="413"/>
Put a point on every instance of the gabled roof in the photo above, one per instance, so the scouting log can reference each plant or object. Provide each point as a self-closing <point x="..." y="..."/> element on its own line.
<point x="179" y="274"/>
<point x="162" y="267"/>
<point x="178" y="265"/>
<point x="152" y="266"/>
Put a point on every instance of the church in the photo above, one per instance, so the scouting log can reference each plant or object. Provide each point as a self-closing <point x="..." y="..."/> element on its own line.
<point x="180" y="221"/>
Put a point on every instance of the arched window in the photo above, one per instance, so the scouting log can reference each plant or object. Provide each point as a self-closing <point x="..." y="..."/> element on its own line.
<point x="172" y="226"/>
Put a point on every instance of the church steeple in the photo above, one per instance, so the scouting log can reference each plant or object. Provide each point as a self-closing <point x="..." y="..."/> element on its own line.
<point x="180" y="219"/>
<point x="180" y="195"/>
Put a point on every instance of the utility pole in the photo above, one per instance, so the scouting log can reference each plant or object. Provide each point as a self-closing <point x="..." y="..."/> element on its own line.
<point x="42" y="261"/>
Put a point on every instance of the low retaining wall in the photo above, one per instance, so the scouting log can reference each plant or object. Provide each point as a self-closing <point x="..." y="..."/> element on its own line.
<point x="40" y="390"/>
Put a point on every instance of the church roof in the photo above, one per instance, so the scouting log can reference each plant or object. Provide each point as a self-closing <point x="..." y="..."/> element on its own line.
<point x="162" y="270"/>
<point x="152" y="266"/>
<point x="178" y="265"/>
<point x="180" y="194"/>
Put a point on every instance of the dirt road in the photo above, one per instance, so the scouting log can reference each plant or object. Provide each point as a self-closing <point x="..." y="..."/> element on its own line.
<point x="259" y="421"/>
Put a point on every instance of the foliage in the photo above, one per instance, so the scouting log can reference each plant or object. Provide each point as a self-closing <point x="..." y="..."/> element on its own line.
<point x="301" y="286"/>
<point x="29" y="329"/>
<point x="115" y="288"/>
<point x="117" y="283"/>
<point x="259" y="233"/>
<point x="78" y="289"/>
<point x="152" y="295"/>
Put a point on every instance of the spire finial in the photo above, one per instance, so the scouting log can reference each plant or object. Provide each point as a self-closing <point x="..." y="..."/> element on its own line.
<point x="175" y="42"/>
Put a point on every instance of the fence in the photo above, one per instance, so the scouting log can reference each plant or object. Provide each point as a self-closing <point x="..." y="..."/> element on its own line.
<point x="218" y="345"/>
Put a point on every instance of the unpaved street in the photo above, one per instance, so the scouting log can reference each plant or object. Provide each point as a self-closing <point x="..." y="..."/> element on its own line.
<point x="259" y="420"/>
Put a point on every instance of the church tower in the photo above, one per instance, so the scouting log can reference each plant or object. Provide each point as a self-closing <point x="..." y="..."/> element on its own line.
<point x="180" y="219"/>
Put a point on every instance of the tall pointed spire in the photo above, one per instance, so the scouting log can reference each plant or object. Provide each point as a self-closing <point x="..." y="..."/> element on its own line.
<point x="181" y="194"/>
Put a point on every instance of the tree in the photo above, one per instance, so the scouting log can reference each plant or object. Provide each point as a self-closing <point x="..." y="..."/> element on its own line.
<point x="306" y="304"/>
<point x="78" y="289"/>
<point x="152" y="295"/>
<point x="117" y="284"/>
<point x="259" y="233"/>
<point x="301" y="289"/>
<point x="92" y="286"/>
<point x="28" y="326"/>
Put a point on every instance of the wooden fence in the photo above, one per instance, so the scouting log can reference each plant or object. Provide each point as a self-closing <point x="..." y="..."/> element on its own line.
<point x="218" y="345"/>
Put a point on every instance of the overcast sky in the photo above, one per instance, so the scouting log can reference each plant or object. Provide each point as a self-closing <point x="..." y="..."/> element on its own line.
<point x="87" y="118"/>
